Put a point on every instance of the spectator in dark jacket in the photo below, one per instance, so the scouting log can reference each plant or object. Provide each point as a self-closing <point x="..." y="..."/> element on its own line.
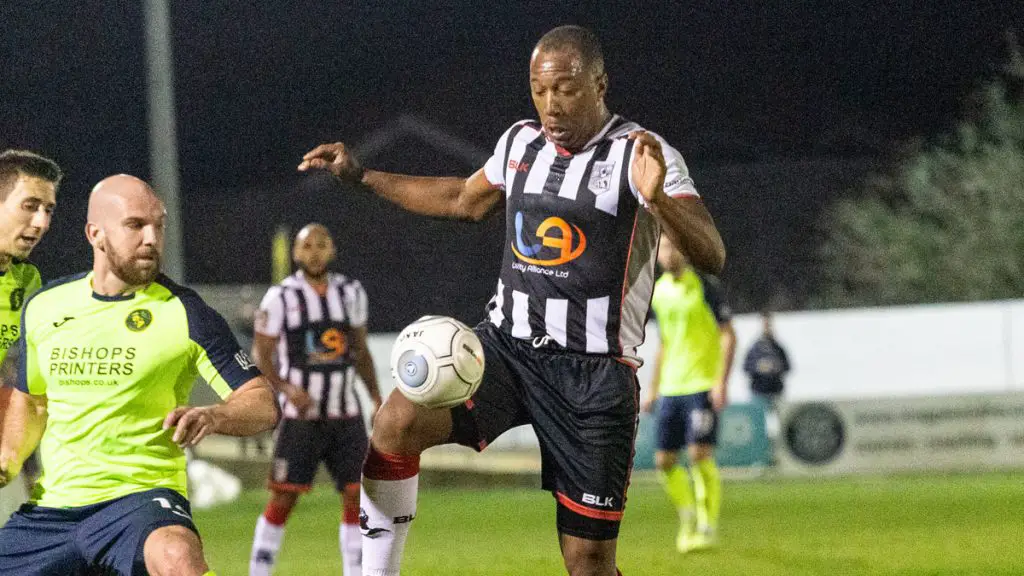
<point x="767" y="365"/>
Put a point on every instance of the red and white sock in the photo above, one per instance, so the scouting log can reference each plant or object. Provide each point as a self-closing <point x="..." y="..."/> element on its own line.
<point x="387" y="507"/>
<point x="267" y="541"/>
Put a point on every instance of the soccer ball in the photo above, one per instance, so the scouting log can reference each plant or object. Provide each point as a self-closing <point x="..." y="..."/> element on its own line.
<point x="437" y="362"/>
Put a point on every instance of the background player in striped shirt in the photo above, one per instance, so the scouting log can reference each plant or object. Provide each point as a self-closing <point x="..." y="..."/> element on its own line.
<point x="586" y="194"/>
<point x="691" y="374"/>
<point x="28" y="194"/>
<point x="315" y="320"/>
<point x="105" y="362"/>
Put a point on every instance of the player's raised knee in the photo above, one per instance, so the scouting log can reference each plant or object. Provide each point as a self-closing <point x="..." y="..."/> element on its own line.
<point x="401" y="427"/>
<point x="174" y="550"/>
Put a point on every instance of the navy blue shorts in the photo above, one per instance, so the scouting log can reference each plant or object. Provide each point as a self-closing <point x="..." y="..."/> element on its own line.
<point x="103" y="538"/>
<point x="686" y="420"/>
<point x="302" y="445"/>
<point x="584" y="411"/>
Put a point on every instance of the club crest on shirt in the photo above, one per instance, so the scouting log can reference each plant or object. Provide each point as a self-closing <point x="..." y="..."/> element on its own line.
<point x="138" y="320"/>
<point x="601" y="177"/>
<point x="17" y="299"/>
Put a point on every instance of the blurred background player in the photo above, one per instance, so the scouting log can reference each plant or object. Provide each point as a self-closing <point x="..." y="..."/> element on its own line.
<point x="106" y="361"/>
<point x="315" y="320"/>
<point x="586" y="194"/>
<point x="28" y="193"/>
<point x="767" y="365"/>
<point x="690" y="375"/>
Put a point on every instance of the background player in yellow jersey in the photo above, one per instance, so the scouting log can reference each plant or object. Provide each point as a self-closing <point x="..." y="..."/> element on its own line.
<point x="28" y="192"/>
<point x="691" y="371"/>
<point x="106" y="361"/>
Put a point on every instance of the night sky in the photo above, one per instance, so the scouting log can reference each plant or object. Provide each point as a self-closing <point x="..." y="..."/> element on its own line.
<point x="755" y="95"/>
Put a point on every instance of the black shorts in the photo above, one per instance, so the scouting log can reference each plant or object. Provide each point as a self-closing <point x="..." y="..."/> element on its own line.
<point x="103" y="538"/>
<point x="584" y="411"/>
<point x="303" y="444"/>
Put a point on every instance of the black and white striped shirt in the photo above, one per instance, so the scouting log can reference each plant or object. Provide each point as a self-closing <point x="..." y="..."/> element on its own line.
<point x="313" y="334"/>
<point x="580" y="245"/>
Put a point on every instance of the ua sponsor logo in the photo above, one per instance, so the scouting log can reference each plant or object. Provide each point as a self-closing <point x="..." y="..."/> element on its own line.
<point x="605" y="502"/>
<point x="569" y="244"/>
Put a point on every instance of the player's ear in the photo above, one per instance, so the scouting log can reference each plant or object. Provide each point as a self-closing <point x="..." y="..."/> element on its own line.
<point x="94" y="234"/>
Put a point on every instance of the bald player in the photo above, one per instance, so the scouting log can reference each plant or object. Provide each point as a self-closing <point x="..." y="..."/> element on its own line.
<point x="314" y="325"/>
<point x="105" y="363"/>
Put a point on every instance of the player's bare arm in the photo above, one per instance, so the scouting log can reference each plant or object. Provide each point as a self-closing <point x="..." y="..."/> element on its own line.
<point x="364" y="365"/>
<point x="249" y="410"/>
<point x="23" y="427"/>
<point x="263" y="347"/>
<point x="686" y="222"/>
<point x="470" y="198"/>
<point x="720" y="393"/>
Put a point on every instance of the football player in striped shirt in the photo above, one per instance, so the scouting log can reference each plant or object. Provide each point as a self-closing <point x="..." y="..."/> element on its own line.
<point x="314" y="324"/>
<point x="586" y="194"/>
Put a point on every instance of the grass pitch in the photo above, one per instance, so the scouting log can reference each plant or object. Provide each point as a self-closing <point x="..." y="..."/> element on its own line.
<point x="904" y="525"/>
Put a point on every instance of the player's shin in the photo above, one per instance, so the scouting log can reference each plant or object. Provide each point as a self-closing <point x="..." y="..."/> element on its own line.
<point x="676" y="483"/>
<point x="350" y="540"/>
<point x="708" y="490"/>
<point x="267" y="540"/>
<point x="387" y="507"/>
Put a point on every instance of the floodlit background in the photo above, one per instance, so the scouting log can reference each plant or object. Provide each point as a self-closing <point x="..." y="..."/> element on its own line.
<point x="863" y="160"/>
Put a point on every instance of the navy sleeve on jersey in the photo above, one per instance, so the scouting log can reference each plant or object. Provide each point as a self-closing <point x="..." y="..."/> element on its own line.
<point x="714" y="295"/>
<point x="15" y="362"/>
<point x="208" y="329"/>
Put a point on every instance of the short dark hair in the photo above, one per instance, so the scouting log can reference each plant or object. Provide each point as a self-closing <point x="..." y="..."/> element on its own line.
<point x="15" y="163"/>
<point x="576" y="38"/>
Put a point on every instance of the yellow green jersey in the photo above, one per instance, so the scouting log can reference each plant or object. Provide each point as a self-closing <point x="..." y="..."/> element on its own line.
<point x="112" y="368"/>
<point x="17" y="283"/>
<point x="689" y="309"/>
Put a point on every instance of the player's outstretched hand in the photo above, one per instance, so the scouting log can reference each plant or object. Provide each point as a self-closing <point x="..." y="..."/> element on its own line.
<point x="191" y="424"/>
<point x="648" y="165"/>
<point x="334" y="158"/>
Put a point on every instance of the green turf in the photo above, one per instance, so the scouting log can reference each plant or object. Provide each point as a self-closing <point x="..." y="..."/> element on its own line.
<point x="910" y="525"/>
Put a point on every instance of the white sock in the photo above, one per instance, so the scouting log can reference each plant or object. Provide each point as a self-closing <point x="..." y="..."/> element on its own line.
<point x="265" y="546"/>
<point x="386" y="507"/>
<point x="351" y="544"/>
